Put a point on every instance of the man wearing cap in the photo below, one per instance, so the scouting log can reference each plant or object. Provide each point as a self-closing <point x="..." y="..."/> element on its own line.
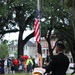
<point x="59" y="63"/>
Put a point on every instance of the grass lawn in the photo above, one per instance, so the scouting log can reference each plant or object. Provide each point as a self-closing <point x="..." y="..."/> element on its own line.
<point x="25" y="74"/>
<point x="20" y="74"/>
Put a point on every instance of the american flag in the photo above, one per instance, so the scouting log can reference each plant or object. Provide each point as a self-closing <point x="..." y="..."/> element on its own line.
<point x="37" y="36"/>
<point x="37" y="27"/>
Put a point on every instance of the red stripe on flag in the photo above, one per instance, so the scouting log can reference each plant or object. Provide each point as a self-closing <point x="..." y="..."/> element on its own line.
<point x="37" y="30"/>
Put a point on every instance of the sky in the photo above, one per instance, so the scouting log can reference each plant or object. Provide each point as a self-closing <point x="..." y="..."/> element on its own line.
<point x="14" y="36"/>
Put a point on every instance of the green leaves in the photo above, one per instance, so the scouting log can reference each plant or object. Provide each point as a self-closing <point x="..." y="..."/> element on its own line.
<point x="3" y="9"/>
<point x="69" y="3"/>
<point x="3" y="50"/>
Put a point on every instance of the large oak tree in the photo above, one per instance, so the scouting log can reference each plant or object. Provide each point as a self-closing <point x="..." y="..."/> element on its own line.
<point x="17" y="15"/>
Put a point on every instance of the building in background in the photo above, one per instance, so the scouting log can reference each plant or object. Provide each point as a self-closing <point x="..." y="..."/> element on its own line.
<point x="44" y="46"/>
<point x="12" y="48"/>
<point x="30" y="49"/>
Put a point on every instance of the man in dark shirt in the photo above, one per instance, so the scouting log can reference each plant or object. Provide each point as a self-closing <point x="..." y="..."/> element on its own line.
<point x="59" y="63"/>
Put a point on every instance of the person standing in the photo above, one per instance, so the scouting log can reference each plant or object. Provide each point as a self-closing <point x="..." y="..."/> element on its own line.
<point x="16" y="63"/>
<point x="59" y="63"/>
<point x="33" y="63"/>
<point x="29" y="64"/>
<point x="12" y="66"/>
<point x="5" y="66"/>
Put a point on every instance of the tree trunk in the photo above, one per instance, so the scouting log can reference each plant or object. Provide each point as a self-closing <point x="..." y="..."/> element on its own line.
<point x="73" y="51"/>
<point x="50" y="48"/>
<point x="73" y="12"/>
<point x="20" y="44"/>
<point x="71" y="45"/>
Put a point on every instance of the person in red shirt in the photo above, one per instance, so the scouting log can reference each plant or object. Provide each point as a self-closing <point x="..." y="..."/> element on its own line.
<point x="15" y="63"/>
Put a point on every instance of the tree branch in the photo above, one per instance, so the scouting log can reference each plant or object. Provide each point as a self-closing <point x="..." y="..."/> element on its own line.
<point x="9" y="31"/>
<point x="27" y="38"/>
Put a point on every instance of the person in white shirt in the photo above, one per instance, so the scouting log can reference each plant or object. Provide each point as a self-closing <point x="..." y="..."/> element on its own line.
<point x="5" y="66"/>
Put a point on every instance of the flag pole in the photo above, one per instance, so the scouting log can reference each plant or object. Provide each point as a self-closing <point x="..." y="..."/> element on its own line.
<point x="39" y="45"/>
<point x="38" y="5"/>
